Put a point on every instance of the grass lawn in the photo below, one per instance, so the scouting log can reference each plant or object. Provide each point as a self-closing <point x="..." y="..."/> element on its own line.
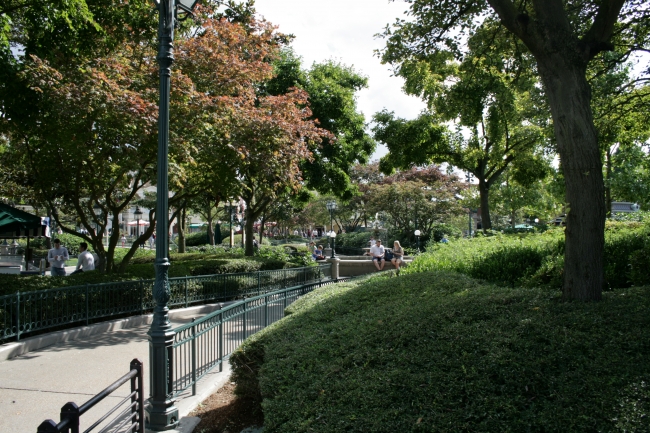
<point x="441" y="352"/>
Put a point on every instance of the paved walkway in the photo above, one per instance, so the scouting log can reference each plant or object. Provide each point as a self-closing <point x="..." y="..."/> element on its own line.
<point x="35" y="385"/>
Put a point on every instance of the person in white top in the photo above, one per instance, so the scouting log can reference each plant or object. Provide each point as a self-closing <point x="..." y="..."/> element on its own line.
<point x="85" y="260"/>
<point x="377" y="252"/>
<point x="57" y="257"/>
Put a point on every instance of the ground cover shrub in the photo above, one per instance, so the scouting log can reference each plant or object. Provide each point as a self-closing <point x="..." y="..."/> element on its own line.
<point x="441" y="352"/>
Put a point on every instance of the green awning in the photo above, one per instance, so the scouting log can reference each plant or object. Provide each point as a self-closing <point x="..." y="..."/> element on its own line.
<point x="15" y="223"/>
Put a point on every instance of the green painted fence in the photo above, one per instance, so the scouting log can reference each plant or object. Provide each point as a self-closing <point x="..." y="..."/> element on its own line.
<point x="38" y="311"/>
<point x="205" y="343"/>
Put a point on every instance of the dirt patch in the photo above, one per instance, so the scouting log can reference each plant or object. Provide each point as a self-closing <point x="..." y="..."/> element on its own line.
<point x="224" y="412"/>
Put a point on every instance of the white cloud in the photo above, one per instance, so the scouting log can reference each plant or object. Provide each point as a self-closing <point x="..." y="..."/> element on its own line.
<point x="344" y="30"/>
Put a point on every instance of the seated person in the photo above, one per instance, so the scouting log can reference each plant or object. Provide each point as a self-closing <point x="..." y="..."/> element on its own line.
<point x="398" y="255"/>
<point x="85" y="260"/>
<point x="318" y="253"/>
<point x="377" y="252"/>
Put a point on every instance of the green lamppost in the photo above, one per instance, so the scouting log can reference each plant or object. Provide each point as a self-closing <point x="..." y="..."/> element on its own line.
<point x="469" y="176"/>
<point x="162" y="414"/>
<point x="417" y="238"/>
<point x="333" y="238"/>
<point x="331" y="207"/>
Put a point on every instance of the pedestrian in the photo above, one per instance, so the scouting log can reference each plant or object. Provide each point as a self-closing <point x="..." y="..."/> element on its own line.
<point x="372" y="241"/>
<point x="123" y="240"/>
<point x="85" y="260"/>
<point x="398" y="256"/>
<point x="377" y="252"/>
<point x="57" y="257"/>
<point x="151" y="243"/>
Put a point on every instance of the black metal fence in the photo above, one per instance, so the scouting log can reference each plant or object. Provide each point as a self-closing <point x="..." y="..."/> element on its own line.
<point x="203" y="344"/>
<point x="31" y="312"/>
<point x="129" y="419"/>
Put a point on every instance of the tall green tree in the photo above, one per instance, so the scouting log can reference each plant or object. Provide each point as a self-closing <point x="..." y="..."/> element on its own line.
<point x="498" y="116"/>
<point x="332" y="88"/>
<point x="563" y="37"/>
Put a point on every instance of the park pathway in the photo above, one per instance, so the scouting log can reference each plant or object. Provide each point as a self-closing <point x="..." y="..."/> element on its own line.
<point x="35" y="385"/>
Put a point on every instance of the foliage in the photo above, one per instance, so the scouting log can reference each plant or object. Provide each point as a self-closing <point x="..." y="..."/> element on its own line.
<point x="142" y="267"/>
<point x="564" y="36"/>
<point x="332" y="89"/>
<point x="535" y="259"/>
<point x="501" y="113"/>
<point x="438" y="351"/>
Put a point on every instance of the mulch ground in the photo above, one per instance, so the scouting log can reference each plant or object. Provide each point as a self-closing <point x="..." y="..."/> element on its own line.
<point x="224" y="412"/>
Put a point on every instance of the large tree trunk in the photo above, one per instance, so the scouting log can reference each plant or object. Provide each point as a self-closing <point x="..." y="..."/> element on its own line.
<point x="484" y="192"/>
<point x="249" y="232"/>
<point x="569" y="97"/>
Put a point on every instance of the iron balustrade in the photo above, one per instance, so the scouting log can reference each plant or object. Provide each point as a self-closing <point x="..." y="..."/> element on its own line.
<point x="37" y="311"/>
<point x="202" y="345"/>
<point x="130" y="419"/>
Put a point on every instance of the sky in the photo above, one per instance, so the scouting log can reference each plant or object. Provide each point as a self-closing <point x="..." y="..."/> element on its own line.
<point x="344" y="31"/>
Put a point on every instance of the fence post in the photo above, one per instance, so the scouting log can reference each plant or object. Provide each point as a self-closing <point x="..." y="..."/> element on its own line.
<point x="285" y="278"/>
<point x="193" y="356"/>
<point x="18" y="316"/>
<point x="245" y="331"/>
<point x="259" y="282"/>
<point x="266" y="310"/>
<point x="138" y="408"/>
<point x="48" y="426"/>
<point x="87" y="305"/>
<point x="185" y="291"/>
<point x="220" y="342"/>
<point x="141" y="297"/>
<point x="70" y="411"/>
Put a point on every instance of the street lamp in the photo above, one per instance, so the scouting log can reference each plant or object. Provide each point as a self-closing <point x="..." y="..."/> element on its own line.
<point x="229" y="207"/>
<point x="417" y="238"/>
<point x="162" y="414"/>
<point x="137" y="214"/>
<point x="331" y="207"/>
<point x="240" y="220"/>
<point x="97" y="211"/>
<point x="333" y="237"/>
<point x="468" y="177"/>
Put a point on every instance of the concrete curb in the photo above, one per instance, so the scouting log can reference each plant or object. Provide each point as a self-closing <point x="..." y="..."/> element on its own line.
<point x="11" y="350"/>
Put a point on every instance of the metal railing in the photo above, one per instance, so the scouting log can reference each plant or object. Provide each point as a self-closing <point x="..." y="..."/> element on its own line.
<point x="30" y="312"/>
<point x="203" y="344"/>
<point x="130" y="419"/>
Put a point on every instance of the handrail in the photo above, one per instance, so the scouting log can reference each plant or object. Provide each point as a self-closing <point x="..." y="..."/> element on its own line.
<point x="203" y="344"/>
<point x="71" y="413"/>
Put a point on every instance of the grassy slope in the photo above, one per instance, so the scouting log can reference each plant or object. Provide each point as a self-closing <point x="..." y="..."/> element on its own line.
<point x="443" y="352"/>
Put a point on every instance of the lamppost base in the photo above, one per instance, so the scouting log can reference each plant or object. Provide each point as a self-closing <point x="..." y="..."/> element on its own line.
<point x="161" y="418"/>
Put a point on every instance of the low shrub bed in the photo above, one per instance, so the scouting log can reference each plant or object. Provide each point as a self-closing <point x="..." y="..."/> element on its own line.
<point x="141" y="267"/>
<point x="441" y="352"/>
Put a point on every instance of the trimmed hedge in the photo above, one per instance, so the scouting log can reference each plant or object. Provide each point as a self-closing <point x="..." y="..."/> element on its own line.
<point x="537" y="259"/>
<point x="441" y="352"/>
<point x="141" y="267"/>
